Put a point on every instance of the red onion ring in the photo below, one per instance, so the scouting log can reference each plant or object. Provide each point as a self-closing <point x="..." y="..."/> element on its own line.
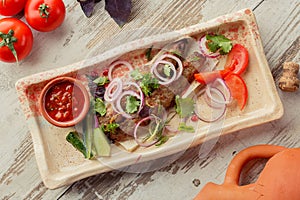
<point x="205" y="51"/>
<point x="113" y="90"/>
<point x="220" y="108"/>
<point x="135" y="134"/>
<point x="163" y="80"/>
<point x="116" y="63"/>
<point x="227" y="96"/>
<point x="161" y="60"/>
<point x="213" y="103"/>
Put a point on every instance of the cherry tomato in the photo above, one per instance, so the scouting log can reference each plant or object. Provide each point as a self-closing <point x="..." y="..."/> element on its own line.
<point x="16" y="40"/>
<point x="237" y="59"/>
<point x="45" y="15"/>
<point x="11" y="7"/>
<point x="238" y="89"/>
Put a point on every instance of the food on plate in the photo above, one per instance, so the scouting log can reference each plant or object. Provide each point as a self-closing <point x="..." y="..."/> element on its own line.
<point x="289" y="80"/>
<point x="212" y="45"/>
<point x="45" y="15"/>
<point x="16" y="40"/>
<point x="237" y="88"/>
<point x="11" y="7"/>
<point x="64" y="101"/>
<point x="236" y="64"/>
<point x="237" y="59"/>
<point x="150" y="103"/>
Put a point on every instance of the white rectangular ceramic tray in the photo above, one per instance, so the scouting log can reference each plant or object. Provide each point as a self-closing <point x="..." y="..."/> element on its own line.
<point x="60" y="164"/>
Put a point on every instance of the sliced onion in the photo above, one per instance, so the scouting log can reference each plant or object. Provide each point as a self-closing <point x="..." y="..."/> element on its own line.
<point x="180" y="65"/>
<point x="116" y="63"/>
<point x="135" y="133"/>
<point x="225" y="99"/>
<point x="218" y="101"/>
<point x="161" y="60"/>
<point x="204" y="50"/>
<point x="113" y="90"/>
<point x="215" y="110"/>
<point x="163" y="80"/>
<point x="119" y="106"/>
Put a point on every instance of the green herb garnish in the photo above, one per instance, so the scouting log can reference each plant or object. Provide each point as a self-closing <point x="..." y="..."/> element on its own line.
<point x="184" y="106"/>
<point x="75" y="140"/>
<point x="184" y="127"/>
<point x="136" y="74"/>
<point x="102" y="80"/>
<point x="110" y="128"/>
<point x="219" y="42"/>
<point x="148" y="84"/>
<point x="176" y="53"/>
<point x="132" y="104"/>
<point x="99" y="107"/>
<point x="148" y="53"/>
<point x="163" y="139"/>
<point x="167" y="70"/>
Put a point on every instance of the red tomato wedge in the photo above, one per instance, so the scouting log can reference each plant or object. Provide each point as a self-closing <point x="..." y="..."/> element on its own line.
<point x="237" y="59"/>
<point x="208" y="77"/>
<point x="238" y="89"/>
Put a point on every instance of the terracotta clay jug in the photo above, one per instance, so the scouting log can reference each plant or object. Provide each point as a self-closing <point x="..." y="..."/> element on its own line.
<point x="279" y="180"/>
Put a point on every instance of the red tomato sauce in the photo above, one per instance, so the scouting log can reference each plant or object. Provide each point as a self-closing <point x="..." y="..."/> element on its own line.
<point x="64" y="101"/>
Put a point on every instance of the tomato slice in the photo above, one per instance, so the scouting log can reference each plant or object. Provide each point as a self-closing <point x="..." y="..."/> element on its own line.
<point x="238" y="89"/>
<point x="208" y="77"/>
<point x="237" y="59"/>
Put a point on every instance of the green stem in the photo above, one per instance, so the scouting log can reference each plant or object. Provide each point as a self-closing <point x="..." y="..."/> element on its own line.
<point x="9" y="40"/>
<point x="44" y="10"/>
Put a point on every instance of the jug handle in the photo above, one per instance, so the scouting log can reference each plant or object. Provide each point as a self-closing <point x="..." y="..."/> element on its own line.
<point x="259" y="151"/>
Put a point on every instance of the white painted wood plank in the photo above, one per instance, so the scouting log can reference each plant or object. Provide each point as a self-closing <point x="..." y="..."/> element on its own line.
<point x="19" y="177"/>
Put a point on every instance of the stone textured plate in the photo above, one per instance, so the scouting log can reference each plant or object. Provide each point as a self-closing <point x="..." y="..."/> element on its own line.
<point x="60" y="164"/>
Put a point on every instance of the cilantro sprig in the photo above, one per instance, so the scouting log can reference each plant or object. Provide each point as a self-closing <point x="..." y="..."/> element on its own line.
<point x="101" y="80"/>
<point x="99" y="106"/>
<point x="219" y="43"/>
<point x="132" y="104"/>
<point x="186" y="128"/>
<point x="184" y="106"/>
<point x="148" y="83"/>
<point x="110" y="128"/>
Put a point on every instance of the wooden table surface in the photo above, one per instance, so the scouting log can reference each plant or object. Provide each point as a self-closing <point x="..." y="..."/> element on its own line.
<point x="77" y="39"/>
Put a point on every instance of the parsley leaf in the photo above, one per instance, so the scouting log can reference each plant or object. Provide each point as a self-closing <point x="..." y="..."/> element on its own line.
<point x="148" y="84"/>
<point x="99" y="107"/>
<point x="184" y="127"/>
<point x="216" y="42"/>
<point x="184" y="106"/>
<point x="110" y="128"/>
<point x="102" y="80"/>
<point x="136" y="74"/>
<point x="132" y="104"/>
<point x="167" y="70"/>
